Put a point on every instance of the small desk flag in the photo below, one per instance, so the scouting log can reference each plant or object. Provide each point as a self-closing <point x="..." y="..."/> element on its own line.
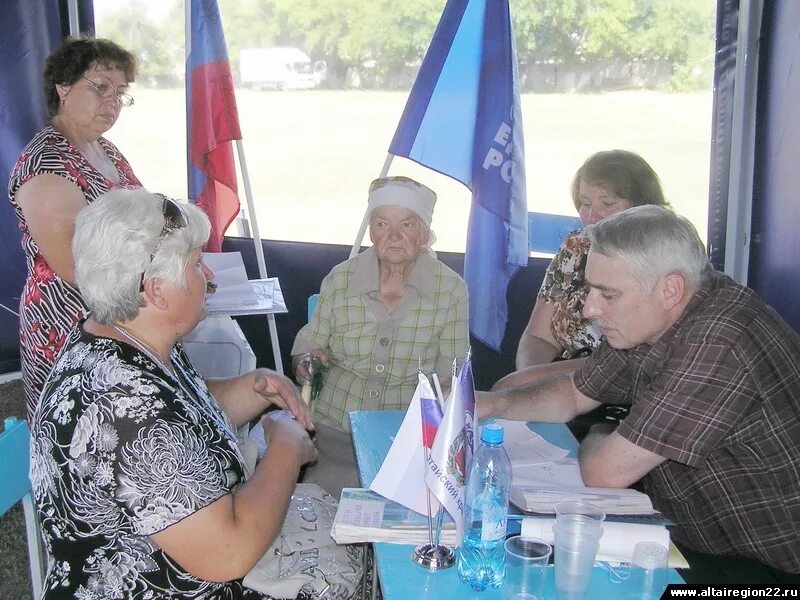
<point x="402" y="475"/>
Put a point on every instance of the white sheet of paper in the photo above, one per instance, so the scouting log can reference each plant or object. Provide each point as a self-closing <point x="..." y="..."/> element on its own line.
<point x="361" y="513"/>
<point x="526" y="447"/>
<point x="557" y="474"/>
<point x="233" y="287"/>
<point x="616" y="543"/>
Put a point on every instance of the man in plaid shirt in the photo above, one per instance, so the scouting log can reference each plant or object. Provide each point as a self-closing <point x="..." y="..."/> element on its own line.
<point x="712" y="377"/>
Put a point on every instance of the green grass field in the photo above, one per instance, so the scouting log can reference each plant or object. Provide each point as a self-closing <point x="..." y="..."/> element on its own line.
<point x="311" y="155"/>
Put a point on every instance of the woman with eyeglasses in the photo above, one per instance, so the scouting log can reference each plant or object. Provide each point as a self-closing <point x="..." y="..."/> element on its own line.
<point x="67" y="165"/>
<point x="139" y="482"/>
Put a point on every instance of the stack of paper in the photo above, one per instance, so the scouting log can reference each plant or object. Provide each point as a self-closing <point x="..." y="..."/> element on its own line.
<point x="543" y="476"/>
<point x="365" y="516"/>
<point x="613" y="501"/>
<point x="237" y="295"/>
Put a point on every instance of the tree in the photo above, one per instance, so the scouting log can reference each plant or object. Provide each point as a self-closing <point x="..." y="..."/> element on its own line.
<point x="158" y="46"/>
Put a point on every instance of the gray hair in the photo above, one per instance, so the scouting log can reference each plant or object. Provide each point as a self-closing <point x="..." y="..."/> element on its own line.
<point x="113" y="241"/>
<point x="654" y="242"/>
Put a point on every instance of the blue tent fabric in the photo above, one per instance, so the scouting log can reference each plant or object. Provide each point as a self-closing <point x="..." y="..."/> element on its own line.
<point x="31" y="30"/>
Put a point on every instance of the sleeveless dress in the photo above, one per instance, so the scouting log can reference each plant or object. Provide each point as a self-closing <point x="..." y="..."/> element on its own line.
<point x="49" y="306"/>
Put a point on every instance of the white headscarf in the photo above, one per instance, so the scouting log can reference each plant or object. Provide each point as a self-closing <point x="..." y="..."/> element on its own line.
<point x="405" y="192"/>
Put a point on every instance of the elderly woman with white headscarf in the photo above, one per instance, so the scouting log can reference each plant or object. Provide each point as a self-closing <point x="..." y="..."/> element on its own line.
<point x="138" y="478"/>
<point x="381" y="316"/>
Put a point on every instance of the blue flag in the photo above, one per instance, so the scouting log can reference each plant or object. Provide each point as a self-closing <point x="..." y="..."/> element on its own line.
<point x="463" y="120"/>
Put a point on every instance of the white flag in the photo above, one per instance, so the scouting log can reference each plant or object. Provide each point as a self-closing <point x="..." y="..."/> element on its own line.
<point x="447" y="464"/>
<point x="402" y="475"/>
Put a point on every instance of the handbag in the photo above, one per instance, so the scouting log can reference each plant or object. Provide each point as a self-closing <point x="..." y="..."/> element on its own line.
<point x="304" y="561"/>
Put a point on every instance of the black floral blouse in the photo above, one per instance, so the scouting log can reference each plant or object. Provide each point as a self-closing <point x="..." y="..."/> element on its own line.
<point x="121" y="450"/>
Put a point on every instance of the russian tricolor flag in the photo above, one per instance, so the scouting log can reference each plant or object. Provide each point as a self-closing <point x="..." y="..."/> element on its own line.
<point x="431" y="417"/>
<point x="212" y="120"/>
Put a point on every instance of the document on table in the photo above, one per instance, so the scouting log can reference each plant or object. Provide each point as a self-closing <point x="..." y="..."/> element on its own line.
<point x="526" y="447"/>
<point x="365" y="516"/>
<point x="543" y="476"/>
<point x="562" y="473"/>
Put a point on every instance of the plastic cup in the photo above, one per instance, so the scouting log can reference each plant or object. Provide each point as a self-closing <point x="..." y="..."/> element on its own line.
<point x="580" y="507"/>
<point x="526" y="568"/>
<point x="648" y="577"/>
<point x="577" y="529"/>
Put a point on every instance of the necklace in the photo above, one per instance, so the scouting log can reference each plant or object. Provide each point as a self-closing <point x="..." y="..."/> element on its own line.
<point x="148" y="350"/>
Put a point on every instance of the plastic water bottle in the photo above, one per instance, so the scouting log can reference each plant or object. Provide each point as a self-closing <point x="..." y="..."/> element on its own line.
<point x="481" y="557"/>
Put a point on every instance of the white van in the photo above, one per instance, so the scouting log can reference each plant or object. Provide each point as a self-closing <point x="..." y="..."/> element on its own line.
<point x="279" y="69"/>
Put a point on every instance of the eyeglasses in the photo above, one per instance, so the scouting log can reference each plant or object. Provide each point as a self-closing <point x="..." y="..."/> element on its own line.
<point x="106" y="90"/>
<point x="174" y="219"/>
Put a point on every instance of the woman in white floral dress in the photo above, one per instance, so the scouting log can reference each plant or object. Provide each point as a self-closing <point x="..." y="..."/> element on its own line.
<point x="138" y="479"/>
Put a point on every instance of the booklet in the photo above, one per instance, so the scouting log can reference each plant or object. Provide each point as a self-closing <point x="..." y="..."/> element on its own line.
<point x="365" y="516"/>
<point x="613" y="501"/>
<point x="543" y="476"/>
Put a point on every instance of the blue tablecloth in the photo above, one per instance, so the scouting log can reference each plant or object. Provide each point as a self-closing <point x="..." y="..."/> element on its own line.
<point x="401" y="579"/>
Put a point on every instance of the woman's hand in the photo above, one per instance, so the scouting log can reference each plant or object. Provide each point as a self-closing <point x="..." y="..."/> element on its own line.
<point x="285" y="430"/>
<point x="305" y="365"/>
<point x="280" y="391"/>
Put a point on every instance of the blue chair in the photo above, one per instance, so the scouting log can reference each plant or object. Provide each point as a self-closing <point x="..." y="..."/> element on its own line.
<point x="312" y="304"/>
<point x="14" y="463"/>
<point x="546" y="232"/>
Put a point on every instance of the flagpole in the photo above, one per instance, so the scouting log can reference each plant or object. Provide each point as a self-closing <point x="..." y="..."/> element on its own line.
<point x="365" y="221"/>
<point x="262" y="266"/>
<point x="262" y="263"/>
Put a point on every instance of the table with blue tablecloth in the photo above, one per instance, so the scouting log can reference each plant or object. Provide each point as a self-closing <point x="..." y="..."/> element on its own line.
<point x="400" y="578"/>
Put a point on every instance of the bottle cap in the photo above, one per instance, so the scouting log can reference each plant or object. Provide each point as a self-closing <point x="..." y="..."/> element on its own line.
<point x="492" y="434"/>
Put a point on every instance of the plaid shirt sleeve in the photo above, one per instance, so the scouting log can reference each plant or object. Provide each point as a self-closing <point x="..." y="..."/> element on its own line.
<point x="316" y="333"/>
<point x="688" y="407"/>
<point x="454" y="338"/>
<point x="605" y="376"/>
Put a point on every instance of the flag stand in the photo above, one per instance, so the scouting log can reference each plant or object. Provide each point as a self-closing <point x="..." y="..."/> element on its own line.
<point x="262" y="264"/>
<point x="434" y="557"/>
<point x="210" y="23"/>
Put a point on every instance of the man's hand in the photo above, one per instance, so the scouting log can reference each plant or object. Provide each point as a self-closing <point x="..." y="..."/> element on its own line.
<point x="280" y="391"/>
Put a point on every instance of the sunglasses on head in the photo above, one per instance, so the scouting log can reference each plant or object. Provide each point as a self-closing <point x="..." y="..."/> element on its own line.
<point x="174" y="219"/>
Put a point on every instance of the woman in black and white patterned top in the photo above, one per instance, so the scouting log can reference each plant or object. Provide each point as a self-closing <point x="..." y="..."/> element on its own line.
<point x="138" y="479"/>
<point x="67" y="165"/>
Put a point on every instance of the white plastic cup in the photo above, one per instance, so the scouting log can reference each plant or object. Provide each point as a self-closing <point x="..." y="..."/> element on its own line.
<point x="648" y="577"/>
<point x="577" y="529"/>
<point x="526" y="568"/>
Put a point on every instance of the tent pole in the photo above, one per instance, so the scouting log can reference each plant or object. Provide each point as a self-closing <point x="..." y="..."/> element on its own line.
<point x="262" y="265"/>
<point x="365" y="221"/>
<point x="74" y="18"/>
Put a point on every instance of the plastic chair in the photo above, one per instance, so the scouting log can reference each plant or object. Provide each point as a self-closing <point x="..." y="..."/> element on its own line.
<point x="546" y="231"/>
<point x="312" y="304"/>
<point x="14" y="463"/>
